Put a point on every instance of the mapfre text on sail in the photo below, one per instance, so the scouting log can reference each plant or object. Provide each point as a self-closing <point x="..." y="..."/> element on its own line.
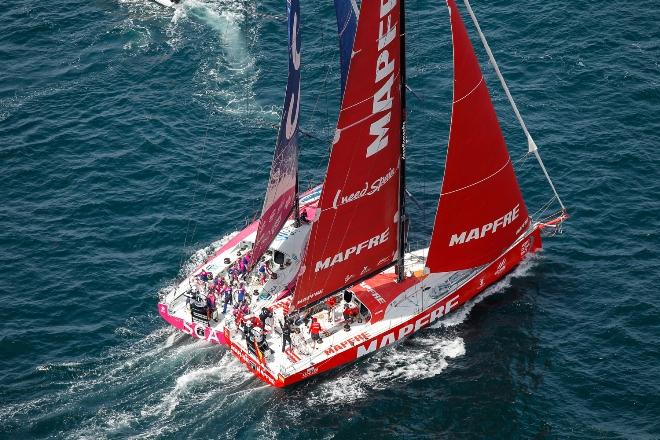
<point x="382" y="100"/>
<point x="477" y="233"/>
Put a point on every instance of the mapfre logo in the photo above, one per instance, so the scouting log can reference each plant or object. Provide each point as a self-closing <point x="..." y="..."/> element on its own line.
<point x="353" y="250"/>
<point x="480" y="232"/>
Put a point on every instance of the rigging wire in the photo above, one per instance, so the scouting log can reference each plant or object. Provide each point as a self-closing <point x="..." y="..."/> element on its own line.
<point x="531" y="144"/>
<point x="192" y="205"/>
<point x="206" y="192"/>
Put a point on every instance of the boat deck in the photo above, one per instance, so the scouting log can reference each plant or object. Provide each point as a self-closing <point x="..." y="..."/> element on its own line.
<point x="305" y="353"/>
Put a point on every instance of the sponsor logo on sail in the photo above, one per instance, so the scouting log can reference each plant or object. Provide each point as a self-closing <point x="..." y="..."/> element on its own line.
<point x="292" y="117"/>
<point x="353" y="250"/>
<point x="368" y="190"/>
<point x="488" y="228"/>
<point x="382" y="100"/>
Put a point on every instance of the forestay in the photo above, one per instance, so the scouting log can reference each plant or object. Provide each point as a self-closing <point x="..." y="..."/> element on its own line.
<point x="481" y="211"/>
<point x="356" y="232"/>
<point x="282" y="185"/>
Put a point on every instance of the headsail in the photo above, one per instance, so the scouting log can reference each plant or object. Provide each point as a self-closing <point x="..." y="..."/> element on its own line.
<point x="481" y="211"/>
<point x="356" y="232"/>
<point x="347" y="13"/>
<point x="281" y="194"/>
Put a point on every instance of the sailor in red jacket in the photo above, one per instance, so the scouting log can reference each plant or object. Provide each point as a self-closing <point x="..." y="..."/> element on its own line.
<point x="315" y="331"/>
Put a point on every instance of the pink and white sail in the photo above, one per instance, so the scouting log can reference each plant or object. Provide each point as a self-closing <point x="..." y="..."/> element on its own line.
<point x="281" y="194"/>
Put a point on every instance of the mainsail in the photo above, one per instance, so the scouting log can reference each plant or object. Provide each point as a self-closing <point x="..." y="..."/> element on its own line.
<point x="347" y="12"/>
<point x="356" y="230"/>
<point x="481" y="211"/>
<point x="282" y="189"/>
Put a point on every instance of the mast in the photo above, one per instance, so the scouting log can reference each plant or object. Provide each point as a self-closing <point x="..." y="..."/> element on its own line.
<point x="402" y="167"/>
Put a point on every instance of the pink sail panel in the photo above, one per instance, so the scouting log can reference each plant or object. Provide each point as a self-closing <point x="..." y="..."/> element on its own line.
<point x="281" y="193"/>
<point x="356" y="232"/>
<point x="481" y="211"/>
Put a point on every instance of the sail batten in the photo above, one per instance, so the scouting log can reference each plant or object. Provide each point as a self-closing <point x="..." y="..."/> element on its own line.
<point x="481" y="211"/>
<point x="357" y="229"/>
<point x="281" y="195"/>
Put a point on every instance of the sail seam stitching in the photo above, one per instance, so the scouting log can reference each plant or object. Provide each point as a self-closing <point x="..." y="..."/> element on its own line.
<point x="471" y="91"/>
<point x="478" y="182"/>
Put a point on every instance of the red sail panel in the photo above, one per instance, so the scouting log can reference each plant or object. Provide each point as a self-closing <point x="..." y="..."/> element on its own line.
<point x="481" y="211"/>
<point x="356" y="232"/>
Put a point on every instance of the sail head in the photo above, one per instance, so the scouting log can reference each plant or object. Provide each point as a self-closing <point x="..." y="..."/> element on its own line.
<point x="481" y="211"/>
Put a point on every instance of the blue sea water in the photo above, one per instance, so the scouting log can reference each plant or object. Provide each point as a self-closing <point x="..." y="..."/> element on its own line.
<point x="132" y="135"/>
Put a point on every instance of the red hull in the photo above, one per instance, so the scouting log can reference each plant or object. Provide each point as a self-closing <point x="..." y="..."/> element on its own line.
<point x="477" y="284"/>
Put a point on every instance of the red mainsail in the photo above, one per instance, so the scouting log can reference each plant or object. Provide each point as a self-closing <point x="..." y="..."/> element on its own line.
<point x="481" y="211"/>
<point x="356" y="232"/>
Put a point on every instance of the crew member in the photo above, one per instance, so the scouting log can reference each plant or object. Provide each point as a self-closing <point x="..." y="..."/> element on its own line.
<point x="210" y="305"/>
<point x="331" y="303"/>
<point x="350" y="313"/>
<point x="286" y="334"/>
<point x="265" y="314"/>
<point x="227" y="298"/>
<point x="315" y="331"/>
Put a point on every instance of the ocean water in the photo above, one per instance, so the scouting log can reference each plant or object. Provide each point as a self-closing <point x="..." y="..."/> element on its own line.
<point x="132" y="135"/>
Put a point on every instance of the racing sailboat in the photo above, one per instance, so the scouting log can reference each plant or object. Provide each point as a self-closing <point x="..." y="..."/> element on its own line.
<point x="345" y="286"/>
